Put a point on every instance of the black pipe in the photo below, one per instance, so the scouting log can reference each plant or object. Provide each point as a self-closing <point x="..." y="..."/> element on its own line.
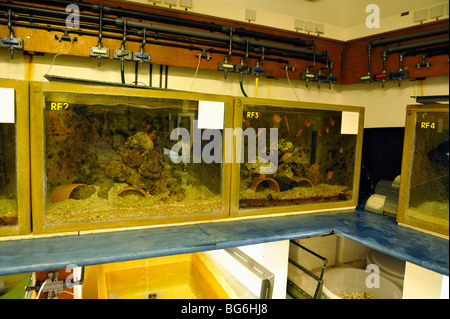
<point x="430" y="52"/>
<point x="210" y="26"/>
<point x="216" y="37"/>
<point x="167" y="76"/>
<point x="160" y="75"/>
<point x="88" y="26"/>
<point x="150" y="72"/>
<point x="411" y="46"/>
<point x="405" y="37"/>
<point x="286" y="183"/>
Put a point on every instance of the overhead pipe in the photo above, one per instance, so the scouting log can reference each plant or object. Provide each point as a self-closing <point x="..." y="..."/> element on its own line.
<point x="132" y="39"/>
<point x="428" y="53"/>
<point x="395" y="39"/>
<point x="210" y="26"/>
<point x="47" y="21"/>
<point x="59" y="19"/>
<point x="403" y="73"/>
<point x="216" y="37"/>
<point x="41" y="15"/>
<point x="119" y="21"/>
<point x="403" y="47"/>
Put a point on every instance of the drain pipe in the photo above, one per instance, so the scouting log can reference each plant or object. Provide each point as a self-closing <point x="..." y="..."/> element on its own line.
<point x="385" y="41"/>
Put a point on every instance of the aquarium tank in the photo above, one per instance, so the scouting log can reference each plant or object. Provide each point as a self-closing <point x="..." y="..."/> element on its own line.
<point x="8" y="172"/>
<point x="296" y="156"/>
<point x="424" y="191"/>
<point x="124" y="157"/>
<point x="14" y="158"/>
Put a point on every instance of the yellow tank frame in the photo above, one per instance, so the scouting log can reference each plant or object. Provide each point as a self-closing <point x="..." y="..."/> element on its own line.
<point x="23" y="225"/>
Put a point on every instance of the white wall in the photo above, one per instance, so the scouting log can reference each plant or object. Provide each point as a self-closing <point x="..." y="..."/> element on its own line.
<point x="342" y="19"/>
<point x="384" y="107"/>
<point x="387" y="107"/>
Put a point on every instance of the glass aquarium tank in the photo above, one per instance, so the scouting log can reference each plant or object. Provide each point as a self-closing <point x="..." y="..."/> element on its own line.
<point x="14" y="158"/>
<point x="424" y="192"/>
<point x="108" y="157"/>
<point x="295" y="157"/>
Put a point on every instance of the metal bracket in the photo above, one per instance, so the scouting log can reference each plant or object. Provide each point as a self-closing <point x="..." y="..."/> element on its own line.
<point x="53" y="286"/>
<point x="423" y="63"/>
<point x="65" y="37"/>
<point x="204" y="55"/>
<point x="317" y="279"/>
<point x="260" y="271"/>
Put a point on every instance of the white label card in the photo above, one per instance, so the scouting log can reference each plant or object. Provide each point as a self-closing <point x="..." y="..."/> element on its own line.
<point x="210" y="115"/>
<point x="350" y="122"/>
<point x="7" y="105"/>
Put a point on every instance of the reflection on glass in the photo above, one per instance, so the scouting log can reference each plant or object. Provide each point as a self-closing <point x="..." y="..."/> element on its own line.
<point x="429" y="192"/>
<point x="8" y="175"/>
<point x="315" y="163"/>
<point x="105" y="159"/>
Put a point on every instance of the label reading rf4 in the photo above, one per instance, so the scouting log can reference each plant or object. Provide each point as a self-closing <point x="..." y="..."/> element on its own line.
<point x="431" y="125"/>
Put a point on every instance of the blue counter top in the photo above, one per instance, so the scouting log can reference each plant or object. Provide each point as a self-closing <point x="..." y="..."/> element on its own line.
<point x="370" y="229"/>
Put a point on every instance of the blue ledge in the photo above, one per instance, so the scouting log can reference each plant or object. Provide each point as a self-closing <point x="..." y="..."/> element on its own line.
<point x="370" y="229"/>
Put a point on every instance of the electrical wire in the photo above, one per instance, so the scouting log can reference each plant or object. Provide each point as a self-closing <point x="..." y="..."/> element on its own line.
<point x="241" y="79"/>
<point x="54" y="58"/>
<point x="40" y="290"/>
<point x="287" y="76"/>
<point x="196" y="71"/>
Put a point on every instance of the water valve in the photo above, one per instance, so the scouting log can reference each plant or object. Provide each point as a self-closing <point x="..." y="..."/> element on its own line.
<point x="226" y="67"/>
<point x="400" y="75"/>
<point x="99" y="52"/>
<point x="307" y="76"/>
<point x="11" y="43"/>
<point x="367" y="78"/>
<point x="382" y="77"/>
<point x="141" y="57"/>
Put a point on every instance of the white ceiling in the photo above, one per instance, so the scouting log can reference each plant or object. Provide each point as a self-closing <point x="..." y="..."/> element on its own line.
<point x="343" y="13"/>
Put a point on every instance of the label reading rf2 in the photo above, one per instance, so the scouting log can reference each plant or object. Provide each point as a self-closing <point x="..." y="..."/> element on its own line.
<point x="56" y="106"/>
<point x="431" y="125"/>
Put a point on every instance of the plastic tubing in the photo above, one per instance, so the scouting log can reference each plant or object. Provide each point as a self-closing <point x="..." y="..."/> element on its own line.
<point x="242" y="87"/>
<point x="256" y="85"/>
<point x="122" y="72"/>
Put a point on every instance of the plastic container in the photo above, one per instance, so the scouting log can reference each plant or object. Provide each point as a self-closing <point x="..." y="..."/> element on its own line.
<point x="353" y="280"/>
<point x="390" y="267"/>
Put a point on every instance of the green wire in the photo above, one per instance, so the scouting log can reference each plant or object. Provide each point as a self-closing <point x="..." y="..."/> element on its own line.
<point x="122" y="72"/>
<point x="242" y="87"/>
